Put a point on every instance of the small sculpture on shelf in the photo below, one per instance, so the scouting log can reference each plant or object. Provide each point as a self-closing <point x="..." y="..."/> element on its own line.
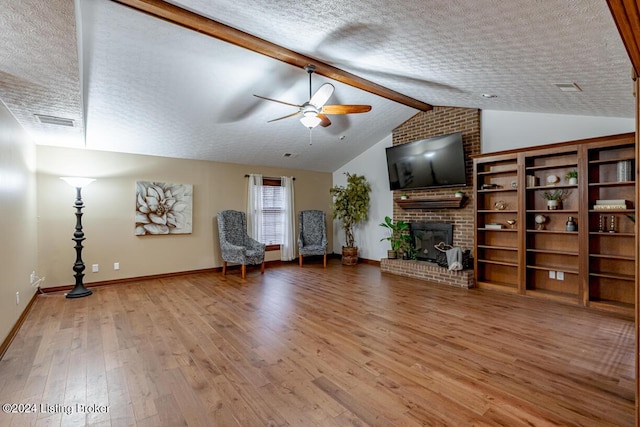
<point x="540" y="221"/>
<point x="602" y="223"/>
<point x="500" y="205"/>
<point x="512" y="222"/>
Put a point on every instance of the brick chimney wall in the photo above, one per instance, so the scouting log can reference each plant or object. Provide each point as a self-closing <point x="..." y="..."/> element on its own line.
<point x="440" y="121"/>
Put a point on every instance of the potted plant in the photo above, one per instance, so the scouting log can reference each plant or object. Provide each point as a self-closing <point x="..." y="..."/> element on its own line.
<point x="572" y="177"/>
<point x="398" y="237"/>
<point x="350" y="205"/>
<point x="555" y="198"/>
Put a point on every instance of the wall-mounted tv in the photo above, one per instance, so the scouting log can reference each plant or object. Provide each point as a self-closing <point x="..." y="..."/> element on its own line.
<point x="427" y="163"/>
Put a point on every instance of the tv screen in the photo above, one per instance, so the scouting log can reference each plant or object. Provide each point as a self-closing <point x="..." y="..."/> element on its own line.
<point x="427" y="163"/>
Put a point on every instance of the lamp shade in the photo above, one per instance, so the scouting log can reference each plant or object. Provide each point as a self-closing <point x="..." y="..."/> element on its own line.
<point x="310" y="120"/>
<point x="77" y="181"/>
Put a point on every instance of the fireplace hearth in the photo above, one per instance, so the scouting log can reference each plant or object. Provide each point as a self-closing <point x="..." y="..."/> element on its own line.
<point x="426" y="235"/>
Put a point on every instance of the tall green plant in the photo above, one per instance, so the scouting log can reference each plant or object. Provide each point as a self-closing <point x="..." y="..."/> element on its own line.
<point x="351" y="204"/>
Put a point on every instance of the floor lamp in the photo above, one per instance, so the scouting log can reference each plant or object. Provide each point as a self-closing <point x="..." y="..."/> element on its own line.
<point x="78" y="290"/>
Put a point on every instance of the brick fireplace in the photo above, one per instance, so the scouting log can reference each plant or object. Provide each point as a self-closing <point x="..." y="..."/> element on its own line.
<point x="439" y="121"/>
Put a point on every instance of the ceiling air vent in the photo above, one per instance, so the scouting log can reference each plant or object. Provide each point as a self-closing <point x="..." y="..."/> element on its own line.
<point x="52" y="120"/>
<point x="568" y="87"/>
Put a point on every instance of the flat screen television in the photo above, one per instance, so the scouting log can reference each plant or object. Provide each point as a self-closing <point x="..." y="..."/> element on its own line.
<point x="427" y="163"/>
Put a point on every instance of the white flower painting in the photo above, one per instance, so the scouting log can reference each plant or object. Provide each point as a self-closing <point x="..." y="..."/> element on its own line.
<point x="163" y="208"/>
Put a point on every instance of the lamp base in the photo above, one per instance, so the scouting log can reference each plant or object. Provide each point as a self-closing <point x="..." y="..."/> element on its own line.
<point x="78" y="292"/>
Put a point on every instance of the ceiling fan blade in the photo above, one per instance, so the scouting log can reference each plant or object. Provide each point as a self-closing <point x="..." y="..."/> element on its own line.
<point x="284" y="117"/>
<point x="275" y="100"/>
<point x="345" y="109"/>
<point x="325" y="120"/>
<point x="322" y="95"/>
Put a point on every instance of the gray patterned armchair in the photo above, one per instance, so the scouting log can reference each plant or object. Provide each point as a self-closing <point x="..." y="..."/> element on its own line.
<point x="235" y="244"/>
<point x="312" y="238"/>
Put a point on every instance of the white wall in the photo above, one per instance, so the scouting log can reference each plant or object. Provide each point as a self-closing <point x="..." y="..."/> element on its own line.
<point x="505" y="130"/>
<point x="373" y="165"/>
<point x="18" y="248"/>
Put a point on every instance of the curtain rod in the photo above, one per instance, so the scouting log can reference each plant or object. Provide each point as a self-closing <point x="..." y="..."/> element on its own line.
<point x="270" y="177"/>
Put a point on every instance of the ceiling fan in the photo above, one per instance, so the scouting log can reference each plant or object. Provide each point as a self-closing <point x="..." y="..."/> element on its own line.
<point x="314" y="112"/>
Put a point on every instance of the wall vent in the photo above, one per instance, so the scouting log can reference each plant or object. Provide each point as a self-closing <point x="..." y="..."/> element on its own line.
<point x="53" y="120"/>
<point x="568" y="87"/>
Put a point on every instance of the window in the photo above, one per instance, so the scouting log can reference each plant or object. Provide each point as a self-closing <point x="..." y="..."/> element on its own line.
<point x="273" y="211"/>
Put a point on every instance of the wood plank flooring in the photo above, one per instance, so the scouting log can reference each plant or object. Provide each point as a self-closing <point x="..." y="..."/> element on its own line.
<point x="310" y="346"/>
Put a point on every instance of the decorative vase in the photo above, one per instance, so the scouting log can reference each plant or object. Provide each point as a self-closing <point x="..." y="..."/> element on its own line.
<point x="349" y="255"/>
<point x="553" y="205"/>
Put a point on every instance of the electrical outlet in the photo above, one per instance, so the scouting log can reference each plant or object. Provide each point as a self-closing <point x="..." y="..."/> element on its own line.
<point x="95" y="268"/>
<point x="32" y="278"/>
<point x="17" y="298"/>
<point x="560" y="275"/>
<point x="116" y="266"/>
<point x="552" y="275"/>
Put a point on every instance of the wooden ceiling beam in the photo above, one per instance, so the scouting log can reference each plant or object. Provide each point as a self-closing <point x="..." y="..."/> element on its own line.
<point x="187" y="19"/>
<point x="626" y="14"/>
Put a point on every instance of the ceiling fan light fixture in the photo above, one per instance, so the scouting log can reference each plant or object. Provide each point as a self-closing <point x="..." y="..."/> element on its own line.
<point x="310" y="119"/>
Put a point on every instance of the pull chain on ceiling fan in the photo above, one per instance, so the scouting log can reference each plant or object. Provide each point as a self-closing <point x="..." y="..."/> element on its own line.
<point x="314" y="112"/>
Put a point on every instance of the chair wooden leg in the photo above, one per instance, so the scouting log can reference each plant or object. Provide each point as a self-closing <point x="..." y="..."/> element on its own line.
<point x="300" y="260"/>
<point x="244" y="271"/>
<point x="224" y="267"/>
<point x="325" y="260"/>
<point x="262" y="268"/>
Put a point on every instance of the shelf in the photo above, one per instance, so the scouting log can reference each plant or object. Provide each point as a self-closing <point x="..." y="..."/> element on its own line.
<point x="613" y="257"/>
<point x="555" y="166"/>
<point x="551" y="187"/>
<point x="612" y="183"/>
<point x="610" y="161"/>
<point x="443" y="203"/>
<point x="511" y="171"/>
<point x="493" y="211"/>
<point x="498" y="190"/>
<point x="616" y="276"/>
<point x="498" y="286"/>
<point x="619" y="211"/>
<point x="553" y="268"/>
<point x="617" y="306"/>
<point x="505" y="263"/>
<point x="552" y="252"/>
<point x="499" y="248"/>
<point x="498" y="229"/>
<point x="553" y="211"/>
<point x="607" y="234"/>
<point x="529" y="230"/>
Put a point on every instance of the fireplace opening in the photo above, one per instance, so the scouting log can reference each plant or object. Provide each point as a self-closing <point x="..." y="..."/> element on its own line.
<point x="425" y="235"/>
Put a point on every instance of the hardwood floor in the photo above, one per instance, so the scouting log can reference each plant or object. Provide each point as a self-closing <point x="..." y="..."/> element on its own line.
<point x="312" y="346"/>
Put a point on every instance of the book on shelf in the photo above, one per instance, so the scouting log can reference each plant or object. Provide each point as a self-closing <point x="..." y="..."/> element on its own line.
<point x="608" y="207"/>
<point x="609" y="204"/>
<point x="493" y="226"/>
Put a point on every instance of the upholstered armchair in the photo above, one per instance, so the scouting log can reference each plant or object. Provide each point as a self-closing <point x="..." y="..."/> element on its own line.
<point x="312" y="238"/>
<point x="235" y="244"/>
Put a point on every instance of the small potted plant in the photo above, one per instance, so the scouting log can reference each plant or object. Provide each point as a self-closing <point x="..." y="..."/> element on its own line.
<point x="572" y="177"/>
<point x="555" y="198"/>
<point x="398" y="236"/>
<point x="403" y="196"/>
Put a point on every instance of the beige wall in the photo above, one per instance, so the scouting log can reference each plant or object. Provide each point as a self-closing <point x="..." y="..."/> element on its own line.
<point x="108" y="219"/>
<point x="18" y="251"/>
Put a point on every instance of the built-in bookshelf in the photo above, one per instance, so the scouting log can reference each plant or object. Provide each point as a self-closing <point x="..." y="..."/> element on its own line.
<point x="581" y="251"/>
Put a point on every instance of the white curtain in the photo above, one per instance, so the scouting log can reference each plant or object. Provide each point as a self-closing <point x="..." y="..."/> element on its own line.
<point x="288" y="247"/>
<point x="254" y="207"/>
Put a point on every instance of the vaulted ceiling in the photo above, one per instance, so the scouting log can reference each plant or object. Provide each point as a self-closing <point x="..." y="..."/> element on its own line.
<point x="133" y="83"/>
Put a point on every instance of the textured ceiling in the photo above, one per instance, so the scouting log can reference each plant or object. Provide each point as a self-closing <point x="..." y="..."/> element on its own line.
<point x="136" y="84"/>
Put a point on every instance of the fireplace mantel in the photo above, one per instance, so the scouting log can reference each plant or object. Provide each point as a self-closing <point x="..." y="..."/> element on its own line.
<point x="433" y="203"/>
